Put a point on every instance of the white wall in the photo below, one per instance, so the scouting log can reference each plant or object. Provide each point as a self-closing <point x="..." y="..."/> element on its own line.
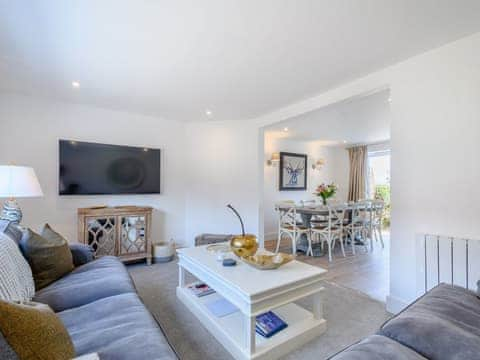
<point x="29" y="133"/>
<point x="223" y="168"/>
<point x="435" y="145"/>
<point x="435" y="139"/>
<point x="336" y="165"/>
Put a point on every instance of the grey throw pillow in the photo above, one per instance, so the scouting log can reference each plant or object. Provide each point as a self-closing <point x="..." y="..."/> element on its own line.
<point x="48" y="255"/>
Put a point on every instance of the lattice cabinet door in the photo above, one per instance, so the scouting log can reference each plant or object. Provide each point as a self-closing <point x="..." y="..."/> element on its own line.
<point x="132" y="234"/>
<point x="101" y="235"/>
<point x="122" y="231"/>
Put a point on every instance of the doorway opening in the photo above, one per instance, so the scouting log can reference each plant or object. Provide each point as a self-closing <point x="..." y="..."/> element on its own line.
<point x="317" y="144"/>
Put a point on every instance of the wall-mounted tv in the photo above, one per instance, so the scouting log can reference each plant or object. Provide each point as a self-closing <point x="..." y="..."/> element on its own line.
<point x="94" y="169"/>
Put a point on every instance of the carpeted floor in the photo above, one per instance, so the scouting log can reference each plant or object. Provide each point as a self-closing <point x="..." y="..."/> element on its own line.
<point x="351" y="316"/>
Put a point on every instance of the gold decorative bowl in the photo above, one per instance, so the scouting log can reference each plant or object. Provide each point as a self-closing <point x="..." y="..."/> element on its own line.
<point x="244" y="245"/>
<point x="268" y="262"/>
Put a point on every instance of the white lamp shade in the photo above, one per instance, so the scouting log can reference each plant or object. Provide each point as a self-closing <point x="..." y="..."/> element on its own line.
<point x="19" y="181"/>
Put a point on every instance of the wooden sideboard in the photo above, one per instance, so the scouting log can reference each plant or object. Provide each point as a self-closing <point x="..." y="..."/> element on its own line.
<point x="122" y="231"/>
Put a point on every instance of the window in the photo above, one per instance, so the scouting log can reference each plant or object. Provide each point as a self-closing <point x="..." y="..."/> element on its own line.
<point x="378" y="181"/>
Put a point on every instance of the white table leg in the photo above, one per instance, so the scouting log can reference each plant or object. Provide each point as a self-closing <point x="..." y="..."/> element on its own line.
<point x="181" y="276"/>
<point x="318" y="299"/>
<point x="249" y="331"/>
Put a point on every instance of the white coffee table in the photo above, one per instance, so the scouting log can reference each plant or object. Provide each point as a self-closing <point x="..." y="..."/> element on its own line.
<point x="254" y="292"/>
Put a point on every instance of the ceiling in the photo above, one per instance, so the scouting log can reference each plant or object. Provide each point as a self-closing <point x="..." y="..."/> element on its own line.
<point x="239" y="59"/>
<point x="360" y="120"/>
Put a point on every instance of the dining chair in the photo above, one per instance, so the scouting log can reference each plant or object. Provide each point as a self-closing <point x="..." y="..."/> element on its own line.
<point x="320" y="217"/>
<point x="358" y="222"/>
<point x="377" y="209"/>
<point x="332" y="230"/>
<point x="289" y="225"/>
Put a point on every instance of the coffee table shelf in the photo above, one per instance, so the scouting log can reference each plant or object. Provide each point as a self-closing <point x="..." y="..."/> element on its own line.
<point x="236" y="331"/>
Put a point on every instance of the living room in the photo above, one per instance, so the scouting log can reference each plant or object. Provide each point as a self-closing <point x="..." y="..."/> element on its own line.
<point x="202" y="84"/>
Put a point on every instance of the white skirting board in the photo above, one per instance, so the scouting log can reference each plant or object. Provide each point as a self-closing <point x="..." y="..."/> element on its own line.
<point x="395" y="305"/>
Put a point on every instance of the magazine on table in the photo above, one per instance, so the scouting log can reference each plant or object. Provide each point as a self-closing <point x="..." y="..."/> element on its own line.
<point x="200" y="289"/>
<point x="268" y="324"/>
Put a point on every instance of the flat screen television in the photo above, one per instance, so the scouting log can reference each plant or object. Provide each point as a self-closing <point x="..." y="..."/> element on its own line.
<point x="94" y="169"/>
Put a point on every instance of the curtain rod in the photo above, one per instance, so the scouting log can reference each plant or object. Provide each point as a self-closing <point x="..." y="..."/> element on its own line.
<point x="368" y="144"/>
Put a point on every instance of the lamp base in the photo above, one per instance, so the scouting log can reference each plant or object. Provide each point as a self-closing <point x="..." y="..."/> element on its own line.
<point x="11" y="211"/>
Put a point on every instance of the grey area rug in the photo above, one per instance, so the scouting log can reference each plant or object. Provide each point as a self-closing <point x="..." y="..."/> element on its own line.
<point x="350" y="316"/>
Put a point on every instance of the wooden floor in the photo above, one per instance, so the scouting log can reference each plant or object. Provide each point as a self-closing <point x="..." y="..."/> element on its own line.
<point x="367" y="272"/>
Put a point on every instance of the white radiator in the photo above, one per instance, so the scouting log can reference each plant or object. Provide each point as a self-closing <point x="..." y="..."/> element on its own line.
<point x="446" y="259"/>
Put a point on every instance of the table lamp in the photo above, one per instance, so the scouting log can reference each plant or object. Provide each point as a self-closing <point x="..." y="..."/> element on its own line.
<point x="15" y="182"/>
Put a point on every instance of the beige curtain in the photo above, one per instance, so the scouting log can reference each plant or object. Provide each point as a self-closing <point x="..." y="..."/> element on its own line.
<point x="358" y="172"/>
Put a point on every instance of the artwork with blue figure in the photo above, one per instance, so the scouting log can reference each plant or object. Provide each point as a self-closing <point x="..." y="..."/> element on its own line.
<point x="293" y="168"/>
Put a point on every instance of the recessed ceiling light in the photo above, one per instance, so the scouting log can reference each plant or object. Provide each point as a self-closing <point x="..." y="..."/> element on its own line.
<point x="285" y="129"/>
<point x="208" y="112"/>
<point x="389" y="100"/>
<point x="344" y="141"/>
<point x="75" y="84"/>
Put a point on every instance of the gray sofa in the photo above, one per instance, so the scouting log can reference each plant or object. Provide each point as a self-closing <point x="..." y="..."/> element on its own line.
<point x="101" y="310"/>
<point x="444" y="324"/>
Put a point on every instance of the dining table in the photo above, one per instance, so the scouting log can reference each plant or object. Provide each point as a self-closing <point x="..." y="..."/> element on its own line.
<point x="306" y="212"/>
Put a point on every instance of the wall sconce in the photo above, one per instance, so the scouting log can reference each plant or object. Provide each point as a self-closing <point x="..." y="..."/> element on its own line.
<point x="274" y="160"/>
<point x="317" y="165"/>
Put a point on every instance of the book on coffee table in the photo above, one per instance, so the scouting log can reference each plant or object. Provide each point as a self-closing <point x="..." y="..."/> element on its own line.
<point x="200" y="289"/>
<point x="268" y="324"/>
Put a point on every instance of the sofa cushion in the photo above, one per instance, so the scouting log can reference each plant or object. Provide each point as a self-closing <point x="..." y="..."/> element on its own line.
<point x="95" y="280"/>
<point x="377" y="347"/>
<point x="13" y="230"/>
<point x="6" y="351"/>
<point x="49" y="257"/>
<point x="118" y="327"/>
<point x="443" y="324"/>
<point x="34" y="331"/>
<point x="81" y="254"/>
<point x="16" y="280"/>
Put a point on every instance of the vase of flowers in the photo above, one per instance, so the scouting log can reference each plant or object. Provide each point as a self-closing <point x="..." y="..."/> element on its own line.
<point x="326" y="191"/>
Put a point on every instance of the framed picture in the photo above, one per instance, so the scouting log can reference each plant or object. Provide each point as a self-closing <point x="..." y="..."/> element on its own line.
<point x="293" y="171"/>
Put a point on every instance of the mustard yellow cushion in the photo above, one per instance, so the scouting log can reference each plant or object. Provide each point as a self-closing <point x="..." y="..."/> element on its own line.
<point x="35" y="332"/>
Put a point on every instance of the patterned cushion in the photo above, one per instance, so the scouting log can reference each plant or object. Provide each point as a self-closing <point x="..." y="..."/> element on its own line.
<point x="16" y="280"/>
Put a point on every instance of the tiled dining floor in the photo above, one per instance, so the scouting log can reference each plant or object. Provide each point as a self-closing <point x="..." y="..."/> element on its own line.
<point x="367" y="272"/>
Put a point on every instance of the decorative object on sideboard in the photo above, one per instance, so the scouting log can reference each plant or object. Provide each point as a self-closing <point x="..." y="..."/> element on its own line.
<point x="122" y="231"/>
<point x="274" y="159"/>
<point x="293" y="171"/>
<point x="15" y="182"/>
<point x="318" y="164"/>
<point x="245" y="244"/>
